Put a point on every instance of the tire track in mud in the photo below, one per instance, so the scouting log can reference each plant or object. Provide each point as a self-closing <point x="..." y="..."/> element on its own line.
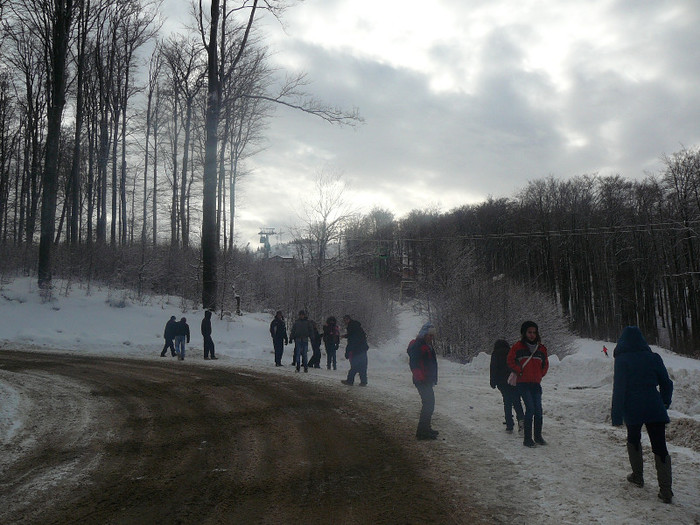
<point x="136" y="441"/>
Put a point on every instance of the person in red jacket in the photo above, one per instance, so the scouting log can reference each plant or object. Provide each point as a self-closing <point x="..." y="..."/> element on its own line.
<point x="423" y="363"/>
<point x="528" y="359"/>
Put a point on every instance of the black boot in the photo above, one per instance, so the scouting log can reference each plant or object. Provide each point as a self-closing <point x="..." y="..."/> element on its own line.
<point x="663" y="473"/>
<point x="634" y="451"/>
<point x="527" y="434"/>
<point x="538" y="432"/>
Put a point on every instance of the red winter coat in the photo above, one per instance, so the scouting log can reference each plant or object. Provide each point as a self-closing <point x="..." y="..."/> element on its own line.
<point x="535" y="369"/>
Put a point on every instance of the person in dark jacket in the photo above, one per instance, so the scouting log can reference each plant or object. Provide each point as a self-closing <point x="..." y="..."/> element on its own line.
<point x="499" y="379"/>
<point x="278" y="332"/>
<point x="355" y="351"/>
<point x="302" y="331"/>
<point x="182" y="335"/>
<point x="315" y="361"/>
<point x="169" y="335"/>
<point x="423" y="363"/>
<point x="636" y="402"/>
<point x="528" y="359"/>
<point x="331" y="340"/>
<point x="206" y="333"/>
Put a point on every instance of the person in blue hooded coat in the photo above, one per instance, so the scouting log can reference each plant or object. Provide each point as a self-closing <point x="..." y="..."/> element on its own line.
<point x="637" y="401"/>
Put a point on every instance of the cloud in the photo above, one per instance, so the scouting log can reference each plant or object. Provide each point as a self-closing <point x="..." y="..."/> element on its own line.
<point x="471" y="99"/>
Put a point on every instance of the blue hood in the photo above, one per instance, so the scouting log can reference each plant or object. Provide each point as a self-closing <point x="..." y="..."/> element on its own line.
<point x="631" y="340"/>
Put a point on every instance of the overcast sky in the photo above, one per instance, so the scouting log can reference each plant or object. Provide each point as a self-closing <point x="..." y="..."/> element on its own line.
<point x="463" y="99"/>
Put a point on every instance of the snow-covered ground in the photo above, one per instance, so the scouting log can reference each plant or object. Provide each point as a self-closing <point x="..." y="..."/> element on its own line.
<point x="578" y="478"/>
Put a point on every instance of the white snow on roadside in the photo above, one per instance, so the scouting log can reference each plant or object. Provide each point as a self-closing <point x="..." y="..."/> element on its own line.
<point x="578" y="478"/>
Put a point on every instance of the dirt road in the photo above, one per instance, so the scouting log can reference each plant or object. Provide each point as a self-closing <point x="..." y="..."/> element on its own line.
<point x="135" y="441"/>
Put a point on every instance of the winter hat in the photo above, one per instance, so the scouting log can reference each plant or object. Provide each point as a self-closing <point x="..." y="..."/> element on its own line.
<point x="526" y="325"/>
<point x="427" y="329"/>
<point x="172" y="317"/>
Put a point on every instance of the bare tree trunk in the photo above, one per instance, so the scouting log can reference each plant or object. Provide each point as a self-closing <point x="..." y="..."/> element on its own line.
<point x="63" y="11"/>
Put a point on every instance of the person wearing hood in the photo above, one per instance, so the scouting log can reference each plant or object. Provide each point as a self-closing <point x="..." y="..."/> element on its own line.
<point x="528" y="359"/>
<point x="278" y="332"/>
<point x="355" y="351"/>
<point x="499" y="373"/>
<point x="182" y="335"/>
<point x="423" y="363"/>
<point x="206" y="333"/>
<point x="636" y="401"/>
<point x="169" y="335"/>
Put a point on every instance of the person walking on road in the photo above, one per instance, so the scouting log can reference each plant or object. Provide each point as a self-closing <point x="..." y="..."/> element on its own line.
<point x="499" y="373"/>
<point x="182" y="335"/>
<point x="278" y="332"/>
<point x="636" y="401"/>
<point x="169" y="335"/>
<point x="355" y="351"/>
<point x="206" y="333"/>
<point x="528" y="359"/>
<point x="423" y="363"/>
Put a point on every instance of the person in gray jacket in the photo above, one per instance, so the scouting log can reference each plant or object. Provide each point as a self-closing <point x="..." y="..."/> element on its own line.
<point x="302" y="331"/>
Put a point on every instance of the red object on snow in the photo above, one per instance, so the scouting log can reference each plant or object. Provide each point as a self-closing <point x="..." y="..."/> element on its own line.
<point x="605" y="351"/>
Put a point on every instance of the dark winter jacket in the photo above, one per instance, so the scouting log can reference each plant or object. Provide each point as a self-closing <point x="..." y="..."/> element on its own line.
<point x="638" y="372"/>
<point x="499" y="364"/>
<point x="182" y="328"/>
<point x="206" y="324"/>
<point x="535" y="369"/>
<point x="331" y="335"/>
<point x="423" y="362"/>
<point x="357" y="339"/>
<point x="278" y="330"/>
<point x="170" y="329"/>
<point x="301" y="329"/>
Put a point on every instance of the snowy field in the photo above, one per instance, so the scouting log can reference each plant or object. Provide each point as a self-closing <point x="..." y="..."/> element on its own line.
<point x="578" y="478"/>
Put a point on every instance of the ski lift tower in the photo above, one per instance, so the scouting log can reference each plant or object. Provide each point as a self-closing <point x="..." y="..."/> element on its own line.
<point x="265" y="239"/>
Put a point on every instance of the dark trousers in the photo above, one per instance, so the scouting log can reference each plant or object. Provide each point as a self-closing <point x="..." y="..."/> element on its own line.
<point x="168" y="344"/>
<point x="279" y="350"/>
<point x="427" y="397"/>
<point x="657" y="436"/>
<point x="358" y="365"/>
<point x="511" y="401"/>
<point x="531" y="394"/>
<point x="208" y="347"/>
<point x="315" y="360"/>
<point x="331" y="350"/>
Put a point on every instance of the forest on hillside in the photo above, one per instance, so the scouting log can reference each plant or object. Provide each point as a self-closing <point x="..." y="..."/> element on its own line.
<point x="116" y="166"/>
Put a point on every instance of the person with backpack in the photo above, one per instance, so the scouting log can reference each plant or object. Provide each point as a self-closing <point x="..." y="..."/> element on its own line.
<point x="331" y="340"/>
<point x="423" y="363"/>
<point x="636" y="401"/>
<point x="528" y="359"/>
<point x="355" y="351"/>
<point x="499" y="373"/>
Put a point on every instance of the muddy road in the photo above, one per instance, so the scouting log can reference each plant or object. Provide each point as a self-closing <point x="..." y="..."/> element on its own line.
<point x="99" y="440"/>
